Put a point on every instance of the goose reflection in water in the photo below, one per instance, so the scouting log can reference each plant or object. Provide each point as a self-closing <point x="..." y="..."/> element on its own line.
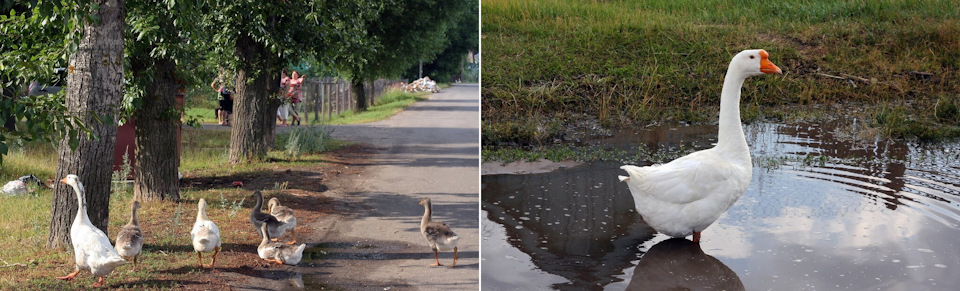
<point x="680" y="264"/>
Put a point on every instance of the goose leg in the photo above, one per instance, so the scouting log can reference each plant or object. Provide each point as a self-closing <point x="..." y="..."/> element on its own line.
<point x="294" y="232"/>
<point x="696" y="237"/>
<point x="200" y="258"/>
<point x="279" y="262"/>
<point x="215" y="252"/>
<point x="136" y="263"/>
<point x="69" y="276"/>
<point x="454" y="257"/>
<point x="436" y="258"/>
<point x="99" y="282"/>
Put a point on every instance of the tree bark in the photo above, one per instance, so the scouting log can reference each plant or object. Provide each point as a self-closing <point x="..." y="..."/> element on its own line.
<point x="157" y="120"/>
<point x="94" y="86"/>
<point x="361" y="95"/>
<point x="251" y="107"/>
<point x="273" y="100"/>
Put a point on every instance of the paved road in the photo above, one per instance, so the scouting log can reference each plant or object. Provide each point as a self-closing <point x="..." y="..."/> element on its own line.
<point x="429" y="150"/>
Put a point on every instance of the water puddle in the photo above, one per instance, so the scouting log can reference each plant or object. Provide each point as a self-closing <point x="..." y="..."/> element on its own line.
<point x="821" y="213"/>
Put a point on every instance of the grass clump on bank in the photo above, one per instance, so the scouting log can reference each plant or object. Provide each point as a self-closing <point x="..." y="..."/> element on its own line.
<point x="634" y="62"/>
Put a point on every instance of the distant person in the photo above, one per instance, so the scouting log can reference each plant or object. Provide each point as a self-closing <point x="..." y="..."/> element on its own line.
<point x="284" y="110"/>
<point x="295" y="95"/>
<point x="226" y="101"/>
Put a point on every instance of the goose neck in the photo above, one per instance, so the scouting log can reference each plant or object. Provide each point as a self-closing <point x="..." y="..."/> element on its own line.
<point x="81" y="204"/>
<point x="133" y="217"/>
<point x="427" y="214"/>
<point x="202" y="212"/>
<point x="256" y="208"/>
<point x="265" y="234"/>
<point x="730" y="137"/>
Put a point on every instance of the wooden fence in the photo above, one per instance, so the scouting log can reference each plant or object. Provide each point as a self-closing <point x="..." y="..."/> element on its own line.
<point x="327" y="97"/>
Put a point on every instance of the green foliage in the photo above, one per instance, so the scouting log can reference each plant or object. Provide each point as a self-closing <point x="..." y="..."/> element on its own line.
<point x="296" y="29"/>
<point x="34" y="40"/>
<point x="462" y="37"/>
<point x="405" y="33"/>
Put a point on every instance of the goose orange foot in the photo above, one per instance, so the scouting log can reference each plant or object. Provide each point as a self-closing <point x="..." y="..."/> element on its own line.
<point x="454" y="257"/>
<point x="69" y="277"/>
<point x="99" y="282"/>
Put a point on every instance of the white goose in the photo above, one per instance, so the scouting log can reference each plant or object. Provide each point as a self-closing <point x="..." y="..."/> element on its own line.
<point x="688" y="194"/>
<point x="205" y="234"/>
<point x="91" y="247"/>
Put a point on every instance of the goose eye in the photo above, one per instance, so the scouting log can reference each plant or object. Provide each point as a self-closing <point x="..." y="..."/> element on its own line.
<point x="751" y="57"/>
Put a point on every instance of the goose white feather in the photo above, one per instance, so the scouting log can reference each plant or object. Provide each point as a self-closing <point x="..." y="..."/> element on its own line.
<point x="205" y="234"/>
<point x="91" y="247"/>
<point x="687" y="195"/>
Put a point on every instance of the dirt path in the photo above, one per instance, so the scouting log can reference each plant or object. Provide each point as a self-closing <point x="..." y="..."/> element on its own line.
<point x="371" y="239"/>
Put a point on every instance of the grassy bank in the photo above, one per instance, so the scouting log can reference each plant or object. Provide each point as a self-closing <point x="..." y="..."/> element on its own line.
<point x="548" y="63"/>
<point x="168" y="260"/>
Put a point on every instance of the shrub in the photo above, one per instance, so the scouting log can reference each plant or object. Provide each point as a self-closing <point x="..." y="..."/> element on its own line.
<point x="306" y="140"/>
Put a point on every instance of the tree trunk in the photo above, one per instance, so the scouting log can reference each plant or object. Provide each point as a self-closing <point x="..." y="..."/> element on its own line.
<point x="251" y="105"/>
<point x="361" y="95"/>
<point x="94" y="86"/>
<point x="273" y="100"/>
<point x="157" y="120"/>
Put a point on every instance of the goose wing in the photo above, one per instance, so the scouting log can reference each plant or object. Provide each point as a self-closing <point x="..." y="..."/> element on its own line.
<point x="684" y="180"/>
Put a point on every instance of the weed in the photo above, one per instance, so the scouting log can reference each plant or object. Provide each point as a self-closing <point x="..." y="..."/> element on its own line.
<point x="119" y="177"/>
<point x="280" y="187"/>
<point x="232" y="206"/>
<point x="306" y="140"/>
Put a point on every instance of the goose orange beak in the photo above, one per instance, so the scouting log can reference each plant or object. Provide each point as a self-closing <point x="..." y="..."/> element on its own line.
<point x="766" y="66"/>
<point x="64" y="180"/>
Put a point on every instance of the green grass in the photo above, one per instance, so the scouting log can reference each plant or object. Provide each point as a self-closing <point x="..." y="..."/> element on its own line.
<point x="633" y="62"/>
<point x="205" y="115"/>
<point x="389" y="104"/>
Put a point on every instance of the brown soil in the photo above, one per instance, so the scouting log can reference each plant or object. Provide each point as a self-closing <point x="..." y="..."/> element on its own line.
<point x="238" y="266"/>
<point x="307" y="195"/>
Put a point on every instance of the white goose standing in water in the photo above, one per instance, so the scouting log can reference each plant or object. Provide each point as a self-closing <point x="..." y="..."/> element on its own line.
<point x="686" y="195"/>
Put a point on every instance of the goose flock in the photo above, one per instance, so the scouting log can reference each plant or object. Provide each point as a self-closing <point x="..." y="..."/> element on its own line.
<point x="94" y="253"/>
